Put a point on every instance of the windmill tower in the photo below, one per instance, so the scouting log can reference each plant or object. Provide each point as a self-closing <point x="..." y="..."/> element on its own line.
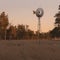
<point x="39" y="13"/>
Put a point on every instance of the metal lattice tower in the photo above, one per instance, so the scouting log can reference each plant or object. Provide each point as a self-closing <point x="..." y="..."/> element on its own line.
<point x="39" y="13"/>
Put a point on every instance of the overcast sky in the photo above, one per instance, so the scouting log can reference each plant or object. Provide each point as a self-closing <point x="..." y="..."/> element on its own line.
<point x="21" y="12"/>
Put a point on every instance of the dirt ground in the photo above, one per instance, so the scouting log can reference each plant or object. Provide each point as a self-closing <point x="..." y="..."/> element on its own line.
<point x="29" y="50"/>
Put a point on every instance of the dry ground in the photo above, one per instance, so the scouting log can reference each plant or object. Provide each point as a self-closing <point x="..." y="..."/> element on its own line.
<point x="29" y="50"/>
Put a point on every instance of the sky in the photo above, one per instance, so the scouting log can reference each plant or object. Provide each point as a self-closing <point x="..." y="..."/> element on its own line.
<point x="21" y="12"/>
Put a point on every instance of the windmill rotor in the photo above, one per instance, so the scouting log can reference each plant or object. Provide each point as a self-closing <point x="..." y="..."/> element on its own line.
<point x="39" y="12"/>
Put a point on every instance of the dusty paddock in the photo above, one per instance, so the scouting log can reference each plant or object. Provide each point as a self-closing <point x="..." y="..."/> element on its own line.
<point x="29" y="50"/>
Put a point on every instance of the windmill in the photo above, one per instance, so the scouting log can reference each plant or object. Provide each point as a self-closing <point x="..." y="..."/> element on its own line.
<point x="39" y="13"/>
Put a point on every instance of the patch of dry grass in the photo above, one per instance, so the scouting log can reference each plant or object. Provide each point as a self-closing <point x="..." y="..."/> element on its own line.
<point x="29" y="50"/>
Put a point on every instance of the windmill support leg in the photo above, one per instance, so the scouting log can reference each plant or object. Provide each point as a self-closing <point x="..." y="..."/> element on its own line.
<point x="39" y="31"/>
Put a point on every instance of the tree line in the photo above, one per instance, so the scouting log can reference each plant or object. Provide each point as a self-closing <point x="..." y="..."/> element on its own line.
<point x="10" y="32"/>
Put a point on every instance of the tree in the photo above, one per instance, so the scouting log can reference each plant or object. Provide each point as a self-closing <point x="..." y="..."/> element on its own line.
<point x="3" y="24"/>
<point x="12" y="32"/>
<point x="20" y="31"/>
<point x="30" y="34"/>
<point x="56" y="31"/>
<point x="57" y="20"/>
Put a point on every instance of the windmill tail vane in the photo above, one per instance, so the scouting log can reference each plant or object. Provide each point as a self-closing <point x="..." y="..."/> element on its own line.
<point x="34" y="12"/>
